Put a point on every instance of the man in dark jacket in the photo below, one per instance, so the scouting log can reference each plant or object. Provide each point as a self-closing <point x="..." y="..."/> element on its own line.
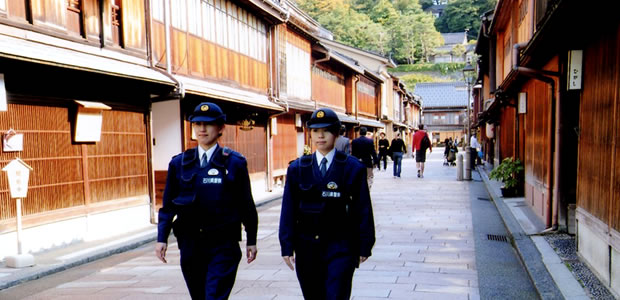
<point x="384" y="146"/>
<point x="364" y="149"/>
<point x="398" y="148"/>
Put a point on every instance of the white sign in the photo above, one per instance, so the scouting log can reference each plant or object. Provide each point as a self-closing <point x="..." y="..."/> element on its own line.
<point x="18" y="173"/>
<point x="575" y="69"/>
<point x="522" y="103"/>
<point x="3" y="105"/>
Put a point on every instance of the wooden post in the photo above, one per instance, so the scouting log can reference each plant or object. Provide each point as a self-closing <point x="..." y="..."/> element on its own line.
<point x="18" y="204"/>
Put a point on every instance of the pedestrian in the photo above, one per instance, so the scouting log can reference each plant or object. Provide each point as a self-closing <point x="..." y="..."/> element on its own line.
<point x="208" y="191"/>
<point x="326" y="221"/>
<point x="447" y="146"/>
<point x="421" y="142"/>
<point x="343" y="143"/>
<point x="364" y="149"/>
<point x="397" y="149"/>
<point x="474" y="148"/>
<point x="384" y="146"/>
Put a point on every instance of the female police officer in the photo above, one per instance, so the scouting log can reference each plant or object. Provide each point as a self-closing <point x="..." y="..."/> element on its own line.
<point x="326" y="220"/>
<point x="208" y="190"/>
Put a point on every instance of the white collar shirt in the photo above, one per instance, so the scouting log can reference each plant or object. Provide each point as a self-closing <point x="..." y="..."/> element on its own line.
<point x="209" y="152"/>
<point x="329" y="156"/>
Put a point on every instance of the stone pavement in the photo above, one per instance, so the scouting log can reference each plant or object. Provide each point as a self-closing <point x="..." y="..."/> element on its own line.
<point x="424" y="250"/>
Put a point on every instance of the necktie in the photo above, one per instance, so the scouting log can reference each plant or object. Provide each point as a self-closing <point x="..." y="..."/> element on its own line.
<point x="323" y="167"/>
<point x="203" y="161"/>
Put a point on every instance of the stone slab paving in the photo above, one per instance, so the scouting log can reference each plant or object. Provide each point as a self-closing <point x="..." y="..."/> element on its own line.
<point x="424" y="250"/>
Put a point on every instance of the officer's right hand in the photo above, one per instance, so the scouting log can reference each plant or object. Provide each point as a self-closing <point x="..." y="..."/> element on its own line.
<point x="160" y="251"/>
<point x="289" y="260"/>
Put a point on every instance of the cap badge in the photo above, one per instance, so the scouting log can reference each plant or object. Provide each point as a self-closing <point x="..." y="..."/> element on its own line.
<point x="204" y="107"/>
<point x="332" y="185"/>
<point x="320" y="114"/>
<point x="213" y="172"/>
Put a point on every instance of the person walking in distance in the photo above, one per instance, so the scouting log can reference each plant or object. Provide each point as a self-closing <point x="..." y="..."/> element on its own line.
<point x="397" y="149"/>
<point x="326" y="222"/>
<point x="384" y="146"/>
<point x="208" y="191"/>
<point x="420" y="143"/>
<point x="364" y="149"/>
<point x="343" y="144"/>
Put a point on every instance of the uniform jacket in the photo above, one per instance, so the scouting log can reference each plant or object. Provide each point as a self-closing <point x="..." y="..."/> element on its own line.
<point x="364" y="149"/>
<point x="213" y="201"/>
<point x="335" y="208"/>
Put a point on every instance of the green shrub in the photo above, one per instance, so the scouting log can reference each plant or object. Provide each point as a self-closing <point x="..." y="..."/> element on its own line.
<point x="510" y="172"/>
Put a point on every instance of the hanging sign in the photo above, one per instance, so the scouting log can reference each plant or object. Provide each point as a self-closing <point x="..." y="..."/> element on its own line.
<point x="18" y="173"/>
<point x="575" y="69"/>
<point x="522" y="105"/>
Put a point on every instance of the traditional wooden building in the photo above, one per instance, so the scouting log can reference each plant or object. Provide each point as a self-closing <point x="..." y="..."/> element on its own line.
<point x="75" y="93"/>
<point x="550" y="88"/>
<point x="373" y="88"/>
<point x="444" y="106"/>
<point x="226" y="52"/>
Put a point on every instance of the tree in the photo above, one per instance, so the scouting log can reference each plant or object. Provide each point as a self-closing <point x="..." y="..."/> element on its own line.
<point x="415" y="38"/>
<point x="458" y="50"/>
<point x="462" y="15"/>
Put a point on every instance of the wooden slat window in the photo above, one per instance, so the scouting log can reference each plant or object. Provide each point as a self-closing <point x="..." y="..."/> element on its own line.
<point x="366" y="96"/>
<point x="118" y="164"/>
<point x="328" y="88"/>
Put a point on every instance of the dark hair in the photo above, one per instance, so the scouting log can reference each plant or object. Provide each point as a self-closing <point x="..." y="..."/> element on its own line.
<point x="421" y="126"/>
<point x="334" y="129"/>
<point x="363" y="130"/>
<point x="343" y="129"/>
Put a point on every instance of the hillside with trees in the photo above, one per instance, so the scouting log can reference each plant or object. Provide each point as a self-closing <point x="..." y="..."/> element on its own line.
<point x="401" y="30"/>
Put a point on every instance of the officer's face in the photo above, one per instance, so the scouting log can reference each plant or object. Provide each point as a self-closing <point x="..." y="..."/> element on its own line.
<point x="207" y="133"/>
<point x="322" y="139"/>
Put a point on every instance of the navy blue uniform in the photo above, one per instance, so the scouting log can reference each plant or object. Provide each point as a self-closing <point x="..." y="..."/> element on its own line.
<point x="328" y="223"/>
<point x="210" y="204"/>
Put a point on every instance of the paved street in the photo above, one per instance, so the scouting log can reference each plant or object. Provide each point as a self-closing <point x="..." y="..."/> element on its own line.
<point x="424" y="250"/>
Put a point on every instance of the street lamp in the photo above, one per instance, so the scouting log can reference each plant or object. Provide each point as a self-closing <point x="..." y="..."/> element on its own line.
<point x="468" y="74"/>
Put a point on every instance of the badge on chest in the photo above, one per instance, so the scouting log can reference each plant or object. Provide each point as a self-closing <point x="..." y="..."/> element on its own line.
<point x="331" y="193"/>
<point x="212" y="180"/>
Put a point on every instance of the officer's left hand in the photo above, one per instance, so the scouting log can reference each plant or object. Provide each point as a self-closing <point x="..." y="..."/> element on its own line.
<point x="363" y="259"/>
<point x="251" y="252"/>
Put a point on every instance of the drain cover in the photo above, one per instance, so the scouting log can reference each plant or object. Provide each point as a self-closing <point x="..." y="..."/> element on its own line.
<point x="498" y="238"/>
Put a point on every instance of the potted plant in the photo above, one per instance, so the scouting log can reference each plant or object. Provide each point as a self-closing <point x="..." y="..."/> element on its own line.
<point x="509" y="172"/>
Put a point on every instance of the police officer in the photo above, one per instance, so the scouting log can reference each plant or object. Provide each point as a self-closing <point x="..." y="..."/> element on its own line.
<point x="326" y="222"/>
<point x="208" y="190"/>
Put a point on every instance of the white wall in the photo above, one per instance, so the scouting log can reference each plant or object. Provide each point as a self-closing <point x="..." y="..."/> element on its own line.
<point x="166" y="122"/>
<point x="81" y="229"/>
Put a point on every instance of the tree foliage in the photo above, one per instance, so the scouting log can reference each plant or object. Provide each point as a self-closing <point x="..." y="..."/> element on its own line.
<point x="394" y="28"/>
<point x="462" y="15"/>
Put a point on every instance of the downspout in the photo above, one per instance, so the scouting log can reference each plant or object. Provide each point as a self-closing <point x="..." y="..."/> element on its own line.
<point x="179" y="90"/>
<point x="356" y="79"/>
<point x="554" y="166"/>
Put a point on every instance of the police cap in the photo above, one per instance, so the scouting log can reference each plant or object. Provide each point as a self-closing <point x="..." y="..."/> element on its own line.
<point x="323" y="117"/>
<point x="207" y="112"/>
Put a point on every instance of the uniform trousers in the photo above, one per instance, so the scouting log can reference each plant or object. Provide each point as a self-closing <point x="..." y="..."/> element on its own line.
<point x="209" y="267"/>
<point x="325" y="270"/>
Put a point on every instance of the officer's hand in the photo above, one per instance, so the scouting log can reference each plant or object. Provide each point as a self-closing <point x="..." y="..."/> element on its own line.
<point x="289" y="260"/>
<point x="363" y="259"/>
<point x="251" y="252"/>
<point x="160" y="251"/>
